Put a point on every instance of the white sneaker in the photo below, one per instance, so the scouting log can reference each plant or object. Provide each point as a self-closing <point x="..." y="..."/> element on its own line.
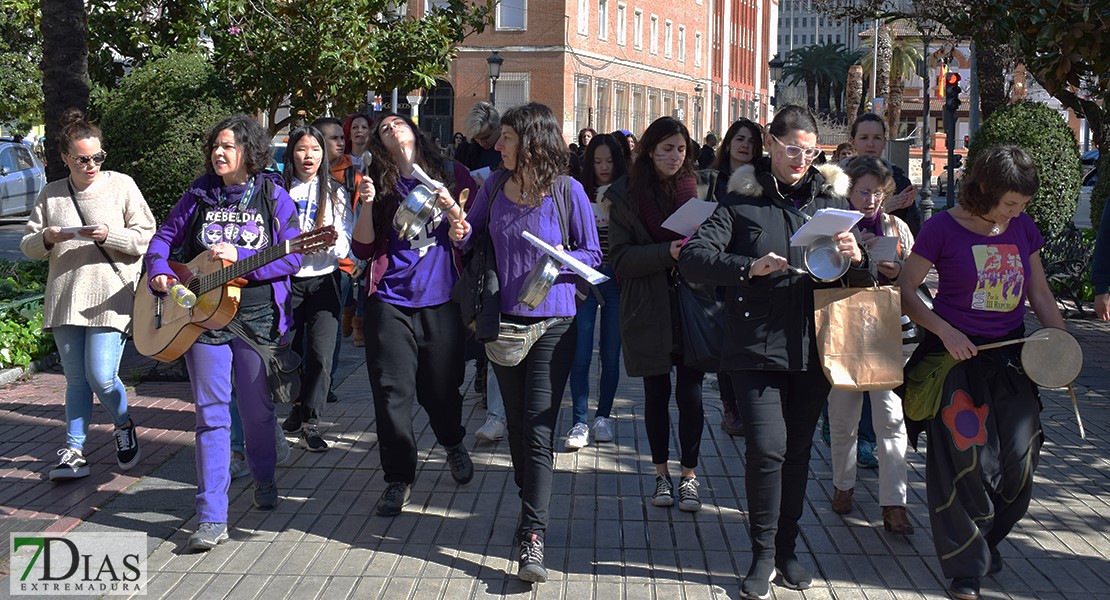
<point x="579" y="437"/>
<point x="281" y="446"/>
<point x="239" y="467"/>
<point x="603" y="429"/>
<point x="492" y="430"/>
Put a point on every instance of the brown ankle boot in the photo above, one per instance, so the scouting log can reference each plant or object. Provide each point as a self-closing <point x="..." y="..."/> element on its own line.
<point x="897" y="520"/>
<point x="842" y="501"/>
<point x="356" y="325"/>
<point x="348" y="317"/>
<point x="730" y="420"/>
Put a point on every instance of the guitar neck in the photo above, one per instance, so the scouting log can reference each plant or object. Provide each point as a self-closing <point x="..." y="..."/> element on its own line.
<point x="240" y="268"/>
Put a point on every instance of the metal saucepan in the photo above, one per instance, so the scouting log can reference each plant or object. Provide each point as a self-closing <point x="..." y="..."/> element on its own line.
<point x="824" y="262"/>
<point x="538" y="282"/>
<point x="414" y="212"/>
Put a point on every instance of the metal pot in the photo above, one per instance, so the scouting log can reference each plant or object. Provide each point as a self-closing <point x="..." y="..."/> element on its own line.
<point x="824" y="262"/>
<point x="538" y="282"/>
<point x="414" y="212"/>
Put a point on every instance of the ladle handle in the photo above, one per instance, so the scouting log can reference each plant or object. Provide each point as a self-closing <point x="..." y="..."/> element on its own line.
<point x="1075" y="405"/>
<point x="1036" y="337"/>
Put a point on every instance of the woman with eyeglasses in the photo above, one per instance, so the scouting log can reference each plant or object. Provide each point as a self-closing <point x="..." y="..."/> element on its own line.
<point x="871" y="182"/>
<point x="770" y="349"/>
<point x="869" y="139"/>
<point x="93" y="227"/>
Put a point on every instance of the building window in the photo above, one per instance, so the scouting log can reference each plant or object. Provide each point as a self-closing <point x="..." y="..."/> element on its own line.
<point x="637" y="108"/>
<point x="668" y="38"/>
<point x="697" y="48"/>
<point x="583" y="116"/>
<point x="620" y="106"/>
<point x="510" y="14"/>
<point x="653" y="105"/>
<point x="622" y="25"/>
<point x="681" y="44"/>
<point x="430" y="4"/>
<point x="602" y="19"/>
<point x="513" y="90"/>
<point x="654" y="33"/>
<point x="638" y="29"/>
<point x="601" y="105"/>
<point x="583" y="17"/>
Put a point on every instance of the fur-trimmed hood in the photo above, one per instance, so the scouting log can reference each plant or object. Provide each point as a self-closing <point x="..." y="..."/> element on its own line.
<point x="830" y="180"/>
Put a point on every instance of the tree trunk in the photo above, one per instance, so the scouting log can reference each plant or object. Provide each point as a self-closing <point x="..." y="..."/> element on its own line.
<point x="894" y="105"/>
<point x="823" y="93"/>
<point x="855" y="92"/>
<point x="992" y="61"/>
<point x="65" y="72"/>
<point x="811" y="93"/>
<point x="882" y="75"/>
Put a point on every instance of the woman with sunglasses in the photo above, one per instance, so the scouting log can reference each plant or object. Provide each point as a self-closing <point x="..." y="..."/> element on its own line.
<point x="770" y="350"/>
<point x="90" y="288"/>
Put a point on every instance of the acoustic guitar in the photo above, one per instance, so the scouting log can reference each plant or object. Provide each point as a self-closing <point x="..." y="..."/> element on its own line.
<point x="164" y="330"/>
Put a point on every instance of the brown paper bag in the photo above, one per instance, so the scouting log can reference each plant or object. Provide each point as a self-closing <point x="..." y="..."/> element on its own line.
<point x="859" y="337"/>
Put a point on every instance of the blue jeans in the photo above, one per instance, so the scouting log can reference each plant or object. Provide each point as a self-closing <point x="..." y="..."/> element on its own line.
<point x="90" y="359"/>
<point x="610" y="342"/>
<point x="495" y="404"/>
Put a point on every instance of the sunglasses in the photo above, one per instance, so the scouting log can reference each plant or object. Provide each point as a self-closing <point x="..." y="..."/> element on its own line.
<point x="796" y="151"/>
<point x="97" y="158"/>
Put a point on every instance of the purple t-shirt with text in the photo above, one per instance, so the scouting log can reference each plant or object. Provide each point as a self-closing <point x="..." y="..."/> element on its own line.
<point x="982" y="283"/>
<point x="420" y="271"/>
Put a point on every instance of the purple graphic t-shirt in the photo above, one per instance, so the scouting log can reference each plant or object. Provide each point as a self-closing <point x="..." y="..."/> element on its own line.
<point x="982" y="278"/>
<point x="420" y="271"/>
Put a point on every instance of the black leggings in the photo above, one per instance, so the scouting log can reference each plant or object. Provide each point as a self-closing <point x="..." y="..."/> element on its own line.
<point x="691" y="415"/>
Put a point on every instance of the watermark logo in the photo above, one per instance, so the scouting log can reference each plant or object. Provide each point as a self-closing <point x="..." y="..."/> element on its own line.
<point x="77" y="564"/>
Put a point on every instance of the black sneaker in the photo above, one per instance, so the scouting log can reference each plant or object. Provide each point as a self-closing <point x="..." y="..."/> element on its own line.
<point x="964" y="588"/>
<point x="127" y="446"/>
<point x="72" y="465"/>
<point x="688" y="499"/>
<point x="531" y="559"/>
<point x="332" y="398"/>
<point x="265" y="495"/>
<point x="996" y="562"/>
<point x="794" y="575"/>
<point x="311" y="440"/>
<point x="664" y="492"/>
<point x="293" y="423"/>
<point x="394" y="498"/>
<point x="757" y="583"/>
<point x="462" y="468"/>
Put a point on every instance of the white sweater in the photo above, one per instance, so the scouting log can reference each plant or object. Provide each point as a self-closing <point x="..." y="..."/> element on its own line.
<point x="82" y="288"/>
<point x="340" y="215"/>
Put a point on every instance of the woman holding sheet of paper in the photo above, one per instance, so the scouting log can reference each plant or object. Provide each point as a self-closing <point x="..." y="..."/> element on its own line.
<point x="770" y="350"/>
<point x="644" y="255"/>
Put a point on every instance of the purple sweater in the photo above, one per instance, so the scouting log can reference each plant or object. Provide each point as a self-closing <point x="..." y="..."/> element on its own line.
<point x="206" y="192"/>
<point x="516" y="257"/>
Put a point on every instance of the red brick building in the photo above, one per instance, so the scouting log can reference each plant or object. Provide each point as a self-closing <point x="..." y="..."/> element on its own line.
<point x="614" y="64"/>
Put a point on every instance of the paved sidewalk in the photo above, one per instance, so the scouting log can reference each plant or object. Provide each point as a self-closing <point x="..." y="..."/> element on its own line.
<point x="605" y="539"/>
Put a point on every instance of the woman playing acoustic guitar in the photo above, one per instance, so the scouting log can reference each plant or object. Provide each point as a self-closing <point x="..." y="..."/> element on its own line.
<point x="231" y="213"/>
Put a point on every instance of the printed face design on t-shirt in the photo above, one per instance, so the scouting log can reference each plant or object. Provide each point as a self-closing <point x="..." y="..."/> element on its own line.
<point x="1001" y="277"/>
<point x="242" y="228"/>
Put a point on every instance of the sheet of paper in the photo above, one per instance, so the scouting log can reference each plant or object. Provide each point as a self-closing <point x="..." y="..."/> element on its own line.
<point x="77" y="230"/>
<point x="579" y="267"/>
<point x="480" y="175"/>
<point x="689" y="216"/>
<point x="884" y="248"/>
<point x="827" y="221"/>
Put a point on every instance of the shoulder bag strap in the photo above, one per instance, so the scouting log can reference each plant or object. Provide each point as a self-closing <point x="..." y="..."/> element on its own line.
<point x="84" y="222"/>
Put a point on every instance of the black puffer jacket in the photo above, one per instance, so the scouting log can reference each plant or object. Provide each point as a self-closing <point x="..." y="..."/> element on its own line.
<point x="770" y="318"/>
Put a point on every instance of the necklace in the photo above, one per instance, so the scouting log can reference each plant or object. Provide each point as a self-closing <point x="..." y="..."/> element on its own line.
<point x="995" y="228"/>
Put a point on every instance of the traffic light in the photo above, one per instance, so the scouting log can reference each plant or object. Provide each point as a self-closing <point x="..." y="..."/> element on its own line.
<point x="952" y="103"/>
<point x="956" y="162"/>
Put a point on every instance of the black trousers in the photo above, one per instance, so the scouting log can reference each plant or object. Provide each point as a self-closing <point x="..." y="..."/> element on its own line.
<point x="315" y="302"/>
<point x="691" y="414"/>
<point x="533" y="391"/>
<point x="413" y="354"/>
<point x="983" y="447"/>
<point x="780" y="410"/>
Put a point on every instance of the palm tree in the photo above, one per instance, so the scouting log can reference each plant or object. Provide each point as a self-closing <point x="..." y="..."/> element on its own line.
<point x="806" y="65"/>
<point x="904" y="55"/>
<point x="65" y="71"/>
<point x="823" y="69"/>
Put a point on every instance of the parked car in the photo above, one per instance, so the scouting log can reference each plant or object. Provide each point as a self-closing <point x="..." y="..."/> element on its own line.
<point x="22" y="176"/>
<point x="942" y="181"/>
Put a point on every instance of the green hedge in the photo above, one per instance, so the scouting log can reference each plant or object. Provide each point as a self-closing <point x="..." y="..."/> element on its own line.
<point x="21" y="337"/>
<point x="157" y="120"/>
<point x="1044" y="134"/>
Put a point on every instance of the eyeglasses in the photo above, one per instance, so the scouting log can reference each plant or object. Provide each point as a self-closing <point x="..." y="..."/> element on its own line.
<point x="796" y="151"/>
<point x="869" y="195"/>
<point x="97" y="158"/>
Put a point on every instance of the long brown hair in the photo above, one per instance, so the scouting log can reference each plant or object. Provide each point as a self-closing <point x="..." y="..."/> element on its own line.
<point x="643" y="178"/>
<point x="386" y="173"/>
<point x="542" y="155"/>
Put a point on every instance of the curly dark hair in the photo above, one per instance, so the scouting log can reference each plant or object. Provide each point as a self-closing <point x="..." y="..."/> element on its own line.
<point x="995" y="172"/>
<point x="860" y="166"/>
<point x="620" y="163"/>
<point x="75" y="127"/>
<point x="643" y="178"/>
<point x="387" y="175"/>
<point x="250" y="137"/>
<point x="542" y="155"/>
<point x="723" y="161"/>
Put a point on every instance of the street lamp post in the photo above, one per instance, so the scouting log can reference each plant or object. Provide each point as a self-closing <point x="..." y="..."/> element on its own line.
<point x="927" y="28"/>
<point x="494" y="63"/>
<point x="775" y="67"/>
<point x="697" y="110"/>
